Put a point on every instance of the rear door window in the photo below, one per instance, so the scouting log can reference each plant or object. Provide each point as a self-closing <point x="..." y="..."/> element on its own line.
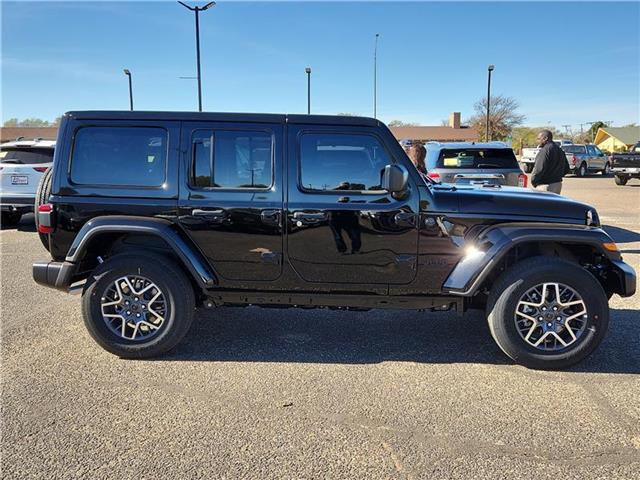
<point x="120" y="156"/>
<point x="26" y="156"/>
<point x="232" y="159"/>
<point x="477" y="158"/>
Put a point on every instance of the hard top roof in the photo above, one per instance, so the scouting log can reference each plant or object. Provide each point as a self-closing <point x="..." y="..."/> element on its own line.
<point x="222" y="117"/>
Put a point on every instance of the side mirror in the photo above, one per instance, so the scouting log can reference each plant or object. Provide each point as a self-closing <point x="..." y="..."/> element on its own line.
<point x="395" y="179"/>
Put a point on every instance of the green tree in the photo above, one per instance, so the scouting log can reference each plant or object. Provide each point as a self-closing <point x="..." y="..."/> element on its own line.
<point x="12" y="122"/>
<point x="503" y="117"/>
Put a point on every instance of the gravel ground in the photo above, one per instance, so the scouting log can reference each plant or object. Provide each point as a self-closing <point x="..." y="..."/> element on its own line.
<point x="259" y="393"/>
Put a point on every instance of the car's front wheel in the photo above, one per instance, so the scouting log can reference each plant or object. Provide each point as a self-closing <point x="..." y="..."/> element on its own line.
<point x="547" y="313"/>
<point x="138" y="305"/>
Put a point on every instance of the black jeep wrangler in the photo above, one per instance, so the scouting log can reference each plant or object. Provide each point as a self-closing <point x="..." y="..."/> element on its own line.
<point x="153" y="214"/>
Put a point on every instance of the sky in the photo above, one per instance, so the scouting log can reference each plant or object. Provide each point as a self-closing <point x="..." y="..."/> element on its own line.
<point x="565" y="63"/>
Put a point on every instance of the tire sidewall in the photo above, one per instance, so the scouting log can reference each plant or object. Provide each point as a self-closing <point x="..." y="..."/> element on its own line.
<point x="503" y="326"/>
<point x="177" y="308"/>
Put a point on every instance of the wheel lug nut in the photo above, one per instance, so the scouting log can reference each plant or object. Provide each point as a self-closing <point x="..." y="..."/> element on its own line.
<point x="136" y="299"/>
<point x="540" y="318"/>
<point x="128" y="312"/>
<point x="138" y="315"/>
<point x="548" y="324"/>
<point x="555" y="308"/>
<point x="544" y="309"/>
<point x="126" y="302"/>
<point x="144" y="306"/>
<point x="558" y="318"/>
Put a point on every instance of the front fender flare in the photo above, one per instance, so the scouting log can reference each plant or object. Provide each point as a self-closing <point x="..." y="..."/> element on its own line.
<point x="496" y="241"/>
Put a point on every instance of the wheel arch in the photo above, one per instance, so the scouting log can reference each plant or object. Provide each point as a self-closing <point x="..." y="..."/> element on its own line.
<point x="500" y="247"/>
<point x="105" y="236"/>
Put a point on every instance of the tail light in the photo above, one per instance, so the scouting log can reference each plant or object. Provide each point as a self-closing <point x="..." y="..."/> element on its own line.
<point x="522" y="180"/>
<point x="45" y="218"/>
<point x="435" y="176"/>
<point x="574" y="160"/>
<point x="40" y="169"/>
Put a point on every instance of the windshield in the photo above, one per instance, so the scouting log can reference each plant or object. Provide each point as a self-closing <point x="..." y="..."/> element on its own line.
<point x="489" y="158"/>
<point x="26" y="156"/>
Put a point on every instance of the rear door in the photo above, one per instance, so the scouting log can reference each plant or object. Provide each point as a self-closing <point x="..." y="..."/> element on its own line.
<point x="231" y="197"/>
<point x="342" y="227"/>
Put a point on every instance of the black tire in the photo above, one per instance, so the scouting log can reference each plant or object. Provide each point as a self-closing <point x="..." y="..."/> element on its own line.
<point x="527" y="167"/>
<point x="606" y="171"/>
<point x="512" y="284"/>
<point x="42" y="196"/>
<point x="620" y="180"/>
<point x="169" y="278"/>
<point x="582" y="170"/>
<point x="10" y="219"/>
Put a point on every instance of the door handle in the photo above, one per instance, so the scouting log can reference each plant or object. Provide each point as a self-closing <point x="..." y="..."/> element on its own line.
<point x="405" y="219"/>
<point x="309" y="217"/>
<point x="270" y="217"/>
<point x="214" y="215"/>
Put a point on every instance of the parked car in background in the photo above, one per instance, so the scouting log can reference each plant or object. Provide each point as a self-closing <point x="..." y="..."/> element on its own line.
<point x="22" y="164"/>
<point x="529" y="154"/>
<point x="585" y="159"/>
<point x="492" y="163"/>
<point x="626" y="165"/>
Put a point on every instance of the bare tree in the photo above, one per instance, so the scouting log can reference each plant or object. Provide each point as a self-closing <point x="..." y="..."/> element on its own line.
<point x="400" y="123"/>
<point x="503" y="117"/>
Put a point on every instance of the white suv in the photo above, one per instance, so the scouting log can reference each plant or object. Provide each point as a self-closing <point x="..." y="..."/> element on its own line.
<point x="22" y="164"/>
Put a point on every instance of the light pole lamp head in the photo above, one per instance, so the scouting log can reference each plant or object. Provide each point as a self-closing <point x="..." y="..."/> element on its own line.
<point x="208" y="6"/>
<point x="491" y="67"/>
<point x="307" y="70"/>
<point x="127" y="72"/>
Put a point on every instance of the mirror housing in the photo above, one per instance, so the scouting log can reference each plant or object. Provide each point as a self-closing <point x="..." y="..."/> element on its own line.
<point x="395" y="179"/>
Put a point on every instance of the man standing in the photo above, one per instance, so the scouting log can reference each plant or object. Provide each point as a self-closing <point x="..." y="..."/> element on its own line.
<point x="550" y="166"/>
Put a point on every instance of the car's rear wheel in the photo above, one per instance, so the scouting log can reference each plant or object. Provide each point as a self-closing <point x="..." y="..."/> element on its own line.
<point x="547" y="313"/>
<point x="582" y="170"/>
<point x="620" y="180"/>
<point x="42" y="196"/>
<point x="138" y="305"/>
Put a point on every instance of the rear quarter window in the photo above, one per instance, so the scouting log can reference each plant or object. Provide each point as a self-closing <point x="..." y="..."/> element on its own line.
<point x="119" y="156"/>
<point x="480" y="158"/>
<point x="574" y="149"/>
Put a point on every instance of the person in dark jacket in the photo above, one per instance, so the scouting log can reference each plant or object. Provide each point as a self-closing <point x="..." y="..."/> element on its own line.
<point x="550" y="165"/>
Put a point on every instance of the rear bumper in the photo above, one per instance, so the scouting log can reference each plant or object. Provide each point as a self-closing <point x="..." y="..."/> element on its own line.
<point x="54" y="274"/>
<point x="17" y="203"/>
<point x="626" y="277"/>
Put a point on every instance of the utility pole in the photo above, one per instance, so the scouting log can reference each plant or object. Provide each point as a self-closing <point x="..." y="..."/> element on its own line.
<point x="375" y="77"/>
<point x="197" y="10"/>
<point x="489" y="70"/>
<point x="566" y="128"/>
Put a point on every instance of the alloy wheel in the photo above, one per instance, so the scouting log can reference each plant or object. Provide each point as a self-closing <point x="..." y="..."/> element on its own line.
<point x="134" y="308"/>
<point x="551" y="316"/>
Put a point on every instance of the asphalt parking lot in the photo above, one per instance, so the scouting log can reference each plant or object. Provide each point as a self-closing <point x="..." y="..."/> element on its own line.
<point x="260" y="393"/>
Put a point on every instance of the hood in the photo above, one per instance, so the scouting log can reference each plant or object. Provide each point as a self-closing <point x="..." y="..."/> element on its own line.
<point x="516" y="202"/>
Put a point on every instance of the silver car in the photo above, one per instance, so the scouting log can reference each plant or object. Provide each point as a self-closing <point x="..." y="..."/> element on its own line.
<point x="585" y="159"/>
<point x="492" y="163"/>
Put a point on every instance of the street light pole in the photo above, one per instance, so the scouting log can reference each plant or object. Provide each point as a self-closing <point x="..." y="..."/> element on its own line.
<point x="197" y="11"/>
<point x="487" y="133"/>
<point x="375" y="77"/>
<point x="308" y="71"/>
<point x="128" y="74"/>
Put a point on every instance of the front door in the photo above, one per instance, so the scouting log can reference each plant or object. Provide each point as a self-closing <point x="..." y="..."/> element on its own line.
<point x="231" y="197"/>
<point x="342" y="227"/>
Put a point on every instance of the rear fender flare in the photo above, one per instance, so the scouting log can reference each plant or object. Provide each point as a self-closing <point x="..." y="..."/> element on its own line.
<point x="190" y="256"/>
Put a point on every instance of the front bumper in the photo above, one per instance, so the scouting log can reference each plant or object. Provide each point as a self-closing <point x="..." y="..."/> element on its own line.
<point x="626" y="278"/>
<point x="54" y="274"/>
<point x="17" y="203"/>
